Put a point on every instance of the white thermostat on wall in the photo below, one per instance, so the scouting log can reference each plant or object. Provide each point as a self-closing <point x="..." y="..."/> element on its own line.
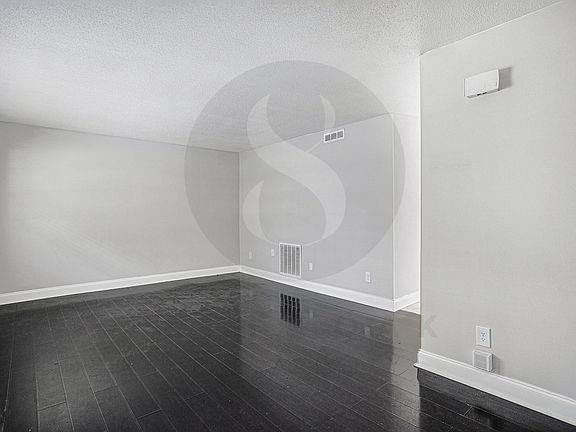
<point x="484" y="83"/>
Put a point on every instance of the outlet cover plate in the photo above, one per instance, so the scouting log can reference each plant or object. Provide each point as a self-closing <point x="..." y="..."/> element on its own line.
<point x="483" y="336"/>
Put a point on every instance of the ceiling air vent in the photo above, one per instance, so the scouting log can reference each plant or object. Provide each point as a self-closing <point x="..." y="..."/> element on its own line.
<point x="290" y="259"/>
<point x="334" y="136"/>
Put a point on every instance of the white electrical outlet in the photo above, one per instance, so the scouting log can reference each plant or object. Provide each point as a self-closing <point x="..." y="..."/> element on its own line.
<point x="250" y="255"/>
<point x="310" y="266"/>
<point x="272" y="252"/>
<point x="368" y="277"/>
<point x="483" y="336"/>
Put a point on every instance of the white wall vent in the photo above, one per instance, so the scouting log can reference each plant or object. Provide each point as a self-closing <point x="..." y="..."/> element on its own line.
<point x="334" y="136"/>
<point x="290" y="259"/>
<point x="482" y="360"/>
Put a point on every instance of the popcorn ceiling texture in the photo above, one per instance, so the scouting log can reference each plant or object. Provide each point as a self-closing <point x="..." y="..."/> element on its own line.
<point x="146" y="68"/>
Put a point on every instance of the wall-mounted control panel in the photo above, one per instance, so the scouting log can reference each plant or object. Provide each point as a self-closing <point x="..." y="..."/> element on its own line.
<point x="481" y="84"/>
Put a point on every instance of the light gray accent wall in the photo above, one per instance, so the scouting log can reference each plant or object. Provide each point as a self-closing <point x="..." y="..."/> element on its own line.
<point x="292" y="205"/>
<point x="78" y="208"/>
<point x="499" y="207"/>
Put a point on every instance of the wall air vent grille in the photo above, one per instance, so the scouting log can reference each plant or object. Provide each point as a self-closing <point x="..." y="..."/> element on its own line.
<point x="334" y="136"/>
<point x="482" y="360"/>
<point x="290" y="259"/>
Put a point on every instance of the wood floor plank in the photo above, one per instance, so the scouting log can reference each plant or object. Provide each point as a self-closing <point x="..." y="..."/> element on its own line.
<point x="156" y="422"/>
<point x="178" y="412"/>
<point x="117" y="415"/>
<point x="213" y="415"/>
<point x="50" y="387"/>
<point x="84" y="410"/>
<point x="21" y="408"/>
<point x="55" y="419"/>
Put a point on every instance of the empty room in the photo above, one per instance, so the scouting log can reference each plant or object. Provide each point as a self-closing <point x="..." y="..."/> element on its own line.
<point x="333" y="216"/>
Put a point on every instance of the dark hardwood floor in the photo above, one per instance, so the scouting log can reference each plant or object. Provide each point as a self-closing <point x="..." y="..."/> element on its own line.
<point x="229" y="353"/>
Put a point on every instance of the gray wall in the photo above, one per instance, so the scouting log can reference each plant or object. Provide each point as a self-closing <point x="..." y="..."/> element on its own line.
<point x="499" y="207"/>
<point x="79" y="208"/>
<point x="340" y="201"/>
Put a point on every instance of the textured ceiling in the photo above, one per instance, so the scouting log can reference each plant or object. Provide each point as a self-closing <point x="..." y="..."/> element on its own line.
<point x="148" y="68"/>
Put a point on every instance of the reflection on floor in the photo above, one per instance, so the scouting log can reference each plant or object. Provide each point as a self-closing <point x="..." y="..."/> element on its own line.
<point x="228" y="354"/>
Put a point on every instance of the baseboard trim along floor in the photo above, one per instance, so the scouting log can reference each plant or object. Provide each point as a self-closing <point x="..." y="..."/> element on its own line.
<point x="407" y="300"/>
<point x="521" y="393"/>
<point x="341" y="293"/>
<point x="42" y="293"/>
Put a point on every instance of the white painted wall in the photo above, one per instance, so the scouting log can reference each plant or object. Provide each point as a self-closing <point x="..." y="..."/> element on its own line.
<point x="377" y="166"/>
<point x="407" y="201"/>
<point x="78" y="208"/>
<point x="499" y="208"/>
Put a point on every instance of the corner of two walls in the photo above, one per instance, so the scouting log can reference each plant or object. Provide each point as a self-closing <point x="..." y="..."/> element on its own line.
<point x="353" y="204"/>
<point x="407" y="222"/>
<point x="80" y="211"/>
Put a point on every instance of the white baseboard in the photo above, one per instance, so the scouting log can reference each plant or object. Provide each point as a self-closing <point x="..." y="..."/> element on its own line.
<point x="341" y="293"/>
<point x="407" y="300"/>
<point x="521" y="393"/>
<point x="36" y="294"/>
